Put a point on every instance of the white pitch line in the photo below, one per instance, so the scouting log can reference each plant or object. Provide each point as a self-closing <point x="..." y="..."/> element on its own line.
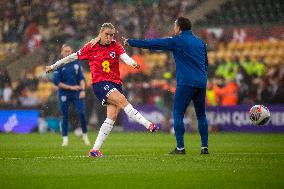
<point x="47" y="157"/>
<point x="124" y="155"/>
<point x="62" y="157"/>
<point x="248" y="153"/>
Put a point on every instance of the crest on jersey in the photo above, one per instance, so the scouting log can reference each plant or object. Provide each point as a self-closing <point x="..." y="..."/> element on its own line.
<point x="112" y="54"/>
<point x="76" y="67"/>
<point x="63" y="98"/>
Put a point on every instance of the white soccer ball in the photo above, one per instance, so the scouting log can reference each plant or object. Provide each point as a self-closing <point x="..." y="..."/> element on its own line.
<point x="259" y="115"/>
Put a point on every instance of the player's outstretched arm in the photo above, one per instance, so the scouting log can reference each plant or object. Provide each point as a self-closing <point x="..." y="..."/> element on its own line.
<point x="128" y="60"/>
<point x="61" y="62"/>
<point x="152" y="44"/>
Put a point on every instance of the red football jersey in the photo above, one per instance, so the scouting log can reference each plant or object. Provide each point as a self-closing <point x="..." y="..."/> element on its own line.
<point x="103" y="61"/>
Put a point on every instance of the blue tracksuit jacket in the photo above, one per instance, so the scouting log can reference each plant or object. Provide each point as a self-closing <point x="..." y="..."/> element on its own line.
<point x="70" y="74"/>
<point x="190" y="55"/>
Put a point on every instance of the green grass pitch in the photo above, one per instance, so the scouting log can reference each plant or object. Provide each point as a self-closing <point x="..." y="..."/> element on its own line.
<point x="140" y="160"/>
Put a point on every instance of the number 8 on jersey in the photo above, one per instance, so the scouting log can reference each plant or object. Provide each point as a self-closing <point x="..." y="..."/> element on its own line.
<point x="106" y="67"/>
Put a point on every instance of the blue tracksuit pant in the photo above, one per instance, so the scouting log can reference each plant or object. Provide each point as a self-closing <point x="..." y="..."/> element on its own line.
<point x="64" y="103"/>
<point x="183" y="96"/>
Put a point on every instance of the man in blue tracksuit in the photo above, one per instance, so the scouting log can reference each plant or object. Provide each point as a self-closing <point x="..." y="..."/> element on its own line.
<point x="71" y="83"/>
<point x="190" y="55"/>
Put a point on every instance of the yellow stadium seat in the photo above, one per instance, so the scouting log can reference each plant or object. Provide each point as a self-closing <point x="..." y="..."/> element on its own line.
<point x="232" y="45"/>
<point x="51" y="14"/>
<point x="39" y="70"/>
<point x="281" y="43"/>
<point x="273" y="44"/>
<point x="240" y="45"/>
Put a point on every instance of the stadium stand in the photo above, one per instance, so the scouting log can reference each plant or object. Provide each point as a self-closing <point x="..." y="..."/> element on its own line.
<point x="246" y="12"/>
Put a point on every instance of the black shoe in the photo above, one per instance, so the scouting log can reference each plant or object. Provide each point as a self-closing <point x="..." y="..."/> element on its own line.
<point x="177" y="152"/>
<point x="204" y="151"/>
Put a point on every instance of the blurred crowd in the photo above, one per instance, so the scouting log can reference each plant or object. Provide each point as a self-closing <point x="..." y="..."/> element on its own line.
<point x="235" y="77"/>
<point x="31" y="23"/>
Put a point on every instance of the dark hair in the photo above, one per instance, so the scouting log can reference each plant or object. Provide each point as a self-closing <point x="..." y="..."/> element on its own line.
<point x="183" y="23"/>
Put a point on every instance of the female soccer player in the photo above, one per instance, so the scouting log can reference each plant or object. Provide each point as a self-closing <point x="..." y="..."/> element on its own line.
<point x="103" y="60"/>
<point x="71" y="83"/>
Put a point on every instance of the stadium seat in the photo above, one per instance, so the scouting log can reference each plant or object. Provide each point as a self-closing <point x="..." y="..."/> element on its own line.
<point x="245" y="12"/>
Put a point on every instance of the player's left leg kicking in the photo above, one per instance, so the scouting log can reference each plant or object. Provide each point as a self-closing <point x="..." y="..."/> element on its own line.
<point x="119" y="100"/>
